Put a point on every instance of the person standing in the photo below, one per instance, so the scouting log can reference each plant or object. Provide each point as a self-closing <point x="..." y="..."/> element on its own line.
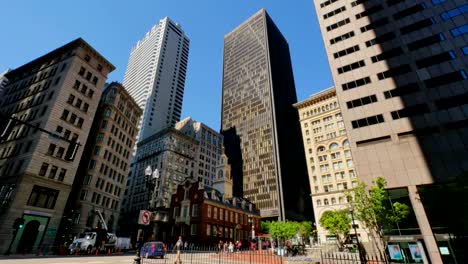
<point x="178" y="246"/>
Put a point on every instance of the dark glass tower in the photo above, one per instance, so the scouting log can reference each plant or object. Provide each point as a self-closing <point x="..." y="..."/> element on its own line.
<point x="258" y="94"/>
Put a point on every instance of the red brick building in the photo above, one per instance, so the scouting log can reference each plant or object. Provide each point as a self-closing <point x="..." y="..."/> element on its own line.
<point x="203" y="215"/>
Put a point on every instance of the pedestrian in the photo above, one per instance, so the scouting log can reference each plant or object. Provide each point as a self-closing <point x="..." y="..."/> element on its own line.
<point x="178" y="246"/>
<point x="220" y="246"/>
<point x="185" y="245"/>
<point x="225" y="247"/>
<point x="231" y="247"/>
<point x="238" y="245"/>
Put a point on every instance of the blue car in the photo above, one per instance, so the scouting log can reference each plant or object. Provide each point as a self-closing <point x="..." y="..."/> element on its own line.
<point x="153" y="249"/>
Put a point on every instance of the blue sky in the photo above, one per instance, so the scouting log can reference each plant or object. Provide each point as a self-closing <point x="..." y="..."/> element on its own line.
<point x="31" y="28"/>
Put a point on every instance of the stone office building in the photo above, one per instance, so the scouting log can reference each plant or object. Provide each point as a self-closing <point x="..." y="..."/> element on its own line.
<point x="102" y="176"/>
<point x="328" y="155"/>
<point x="35" y="177"/>
<point x="400" y="72"/>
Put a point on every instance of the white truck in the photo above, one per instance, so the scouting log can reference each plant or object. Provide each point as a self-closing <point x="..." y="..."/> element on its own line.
<point x="89" y="242"/>
<point x="98" y="240"/>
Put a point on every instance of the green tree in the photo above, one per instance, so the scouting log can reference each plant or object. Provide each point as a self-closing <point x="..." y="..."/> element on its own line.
<point x="372" y="208"/>
<point x="305" y="228"/>
<point x="337" y="223"/>
<point x="266" y="227"/>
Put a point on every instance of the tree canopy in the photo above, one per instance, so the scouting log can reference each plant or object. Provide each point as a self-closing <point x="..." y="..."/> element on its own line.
<point x="337" y="223"/>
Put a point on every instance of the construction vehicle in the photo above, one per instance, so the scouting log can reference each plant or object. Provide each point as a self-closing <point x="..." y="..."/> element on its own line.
<point x="97" y="240"/>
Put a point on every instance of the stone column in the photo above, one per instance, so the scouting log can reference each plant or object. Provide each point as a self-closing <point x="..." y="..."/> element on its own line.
<point x="423" y="222"/>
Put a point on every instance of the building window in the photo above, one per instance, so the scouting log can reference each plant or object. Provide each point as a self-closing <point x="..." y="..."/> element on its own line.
<point x="43" y="197"/>
<point x="368" y="121"/>
<point x="342" y="37"/>
<point x="319" y="203"/>
<point x="195" y="210"/>
<point x="352" y="66"/>
<point x="425" y="42"/>
<point x="361" y="101"/>
<point x="334" y="12"/>
<point x="325" y="201"/>
<point x="454" y="12"/>
<point x="51" y="149"/>
<point x="53" y="172"/>
<point x="356" y="83"/>
<point x="208" y="230"/>
<point x="83" y="195"/>
<point x="346" y="51"/>
<point x="209" y="211"/>
<point x="44" y="168"/>
<point x="338" y="24"/>
<point x="409" y="11"/>
<point x="193" y="229"/>
<point x="176" y="212"/>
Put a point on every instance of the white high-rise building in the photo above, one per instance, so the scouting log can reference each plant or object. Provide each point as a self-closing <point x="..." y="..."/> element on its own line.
<point x="155" y="76"/>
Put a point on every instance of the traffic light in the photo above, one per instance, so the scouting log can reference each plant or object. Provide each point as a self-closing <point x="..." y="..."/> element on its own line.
<point x="72" y="149"/>
<point x="18" y="224"/>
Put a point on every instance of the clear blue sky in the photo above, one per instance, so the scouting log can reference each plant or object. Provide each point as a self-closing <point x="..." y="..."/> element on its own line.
<point x="31" y="28"/>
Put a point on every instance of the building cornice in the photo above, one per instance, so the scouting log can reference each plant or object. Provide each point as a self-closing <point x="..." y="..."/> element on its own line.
<point x="317" y="98"/>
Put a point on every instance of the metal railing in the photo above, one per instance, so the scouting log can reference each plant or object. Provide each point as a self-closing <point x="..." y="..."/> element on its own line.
<point x="215" y="256"/>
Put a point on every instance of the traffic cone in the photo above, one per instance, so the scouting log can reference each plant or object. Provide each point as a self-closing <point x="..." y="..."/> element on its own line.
<point x="108" y="251"/>
<point x="97" y="251"/>
<point x="76" y="252"/>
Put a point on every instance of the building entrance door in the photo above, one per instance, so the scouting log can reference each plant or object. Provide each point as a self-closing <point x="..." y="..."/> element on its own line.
<point x="28" y="238"/>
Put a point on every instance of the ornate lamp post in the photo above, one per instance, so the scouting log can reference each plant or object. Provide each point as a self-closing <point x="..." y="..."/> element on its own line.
<point x="137" y="260"/>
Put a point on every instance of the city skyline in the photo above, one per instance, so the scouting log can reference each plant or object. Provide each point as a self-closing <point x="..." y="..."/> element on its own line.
<point x="115" y="38"/>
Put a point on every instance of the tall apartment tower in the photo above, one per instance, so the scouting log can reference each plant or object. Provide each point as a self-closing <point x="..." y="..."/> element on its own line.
<point x="58" y="92"/>
<point x="155" y="76"/>
<point x="328" y="155"/>
<point x="102" y="176"/>
<point x="400" y="72"/>
<point x="257" y="112"/>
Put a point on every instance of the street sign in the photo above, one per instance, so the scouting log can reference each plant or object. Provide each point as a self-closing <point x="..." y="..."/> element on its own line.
<point x="144" y="218"/>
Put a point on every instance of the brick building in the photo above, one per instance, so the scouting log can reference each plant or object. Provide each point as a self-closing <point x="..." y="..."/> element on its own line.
<point x="203" y="215"/>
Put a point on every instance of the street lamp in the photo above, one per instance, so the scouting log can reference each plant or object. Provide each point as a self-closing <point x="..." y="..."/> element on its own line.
<point x="355" y="232"/>
<point x="149" y="183"/>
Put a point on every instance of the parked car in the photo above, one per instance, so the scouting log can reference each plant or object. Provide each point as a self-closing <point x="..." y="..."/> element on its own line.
<point x="153" y="249"/>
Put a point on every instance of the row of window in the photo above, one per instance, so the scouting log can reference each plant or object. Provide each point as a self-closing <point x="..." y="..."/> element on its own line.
<point x="113" y="174"/>
<point x="228" y="216"/>
<point x="341" y="200"/>
<point x="72" y="118"/>
<point x="78" y="103"/>
<point x="96" y="199"/>
<point x="322" y="109"/>
<point x="55" y="173"/>
<point x="110" y="188"/>
<point x="88" y="76"/>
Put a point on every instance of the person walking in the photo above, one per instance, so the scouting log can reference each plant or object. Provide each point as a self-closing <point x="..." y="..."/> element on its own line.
<point x="178" y="246"/>
<point x="231" y="247"/>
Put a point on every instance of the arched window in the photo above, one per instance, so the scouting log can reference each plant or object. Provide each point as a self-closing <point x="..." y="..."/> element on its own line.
<point x="333" y="200"/>
<point x="340" y="200"/>
<point x="345" y="143"/>
<point x="325" y="202"/>
<point x="333" y="146"/>
<point x="321" y="149"/>
<point x="220" y="174"/>
<point x="319" y="203"/>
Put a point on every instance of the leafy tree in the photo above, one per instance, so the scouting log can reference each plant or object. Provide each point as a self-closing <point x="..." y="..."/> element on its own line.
<point x="266" y="227"/>
<point x="337" y="223"/>
<point x="283" y="230"/>
<point x="372" y="207"/>
<point x="305" y="228"/>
